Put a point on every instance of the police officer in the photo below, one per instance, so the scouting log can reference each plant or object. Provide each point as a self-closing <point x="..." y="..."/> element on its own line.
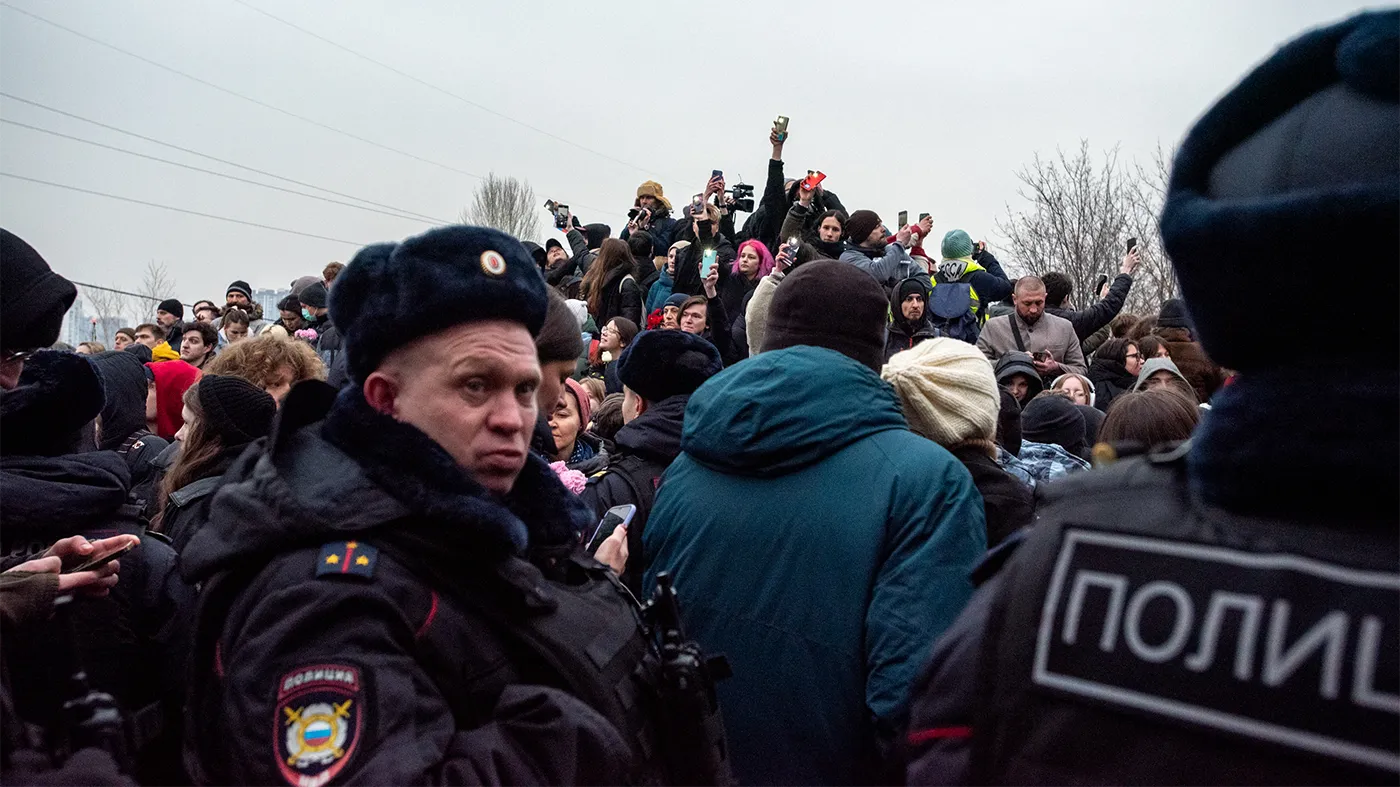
<point x="1228" y="612"/>
<point x="392" y="579"/>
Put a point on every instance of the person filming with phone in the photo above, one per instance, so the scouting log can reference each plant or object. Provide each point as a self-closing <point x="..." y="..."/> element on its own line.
<point x="1050" y="340"/>
<point x="871" y="249"/>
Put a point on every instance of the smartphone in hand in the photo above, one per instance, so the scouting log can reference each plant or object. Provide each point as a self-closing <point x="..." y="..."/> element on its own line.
<point x="98" y="561"/>
<point x="617" y="516"/>
<point x="903" y="219"/>
<point x="707" y="263"/>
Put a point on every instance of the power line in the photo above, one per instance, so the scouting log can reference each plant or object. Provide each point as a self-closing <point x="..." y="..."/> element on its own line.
<point x="264" y="173"/>
<point x="206" y="171"/>
<point x="443" y="90"/>
<point x="252" y="100"/>
<point x="236" y="94"/>
<point x="119" y="292"/>
<point x="179" y="210"/>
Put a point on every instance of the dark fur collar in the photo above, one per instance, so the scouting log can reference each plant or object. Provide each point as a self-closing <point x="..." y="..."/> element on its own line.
<point x="539" y="513"/>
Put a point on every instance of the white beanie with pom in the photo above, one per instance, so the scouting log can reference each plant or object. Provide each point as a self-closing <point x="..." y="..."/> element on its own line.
<point x="948" y="390"/>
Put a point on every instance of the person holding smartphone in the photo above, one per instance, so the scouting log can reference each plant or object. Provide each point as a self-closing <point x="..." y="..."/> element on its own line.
<point x="659" y="371"/>
<point x="705" y="236"/>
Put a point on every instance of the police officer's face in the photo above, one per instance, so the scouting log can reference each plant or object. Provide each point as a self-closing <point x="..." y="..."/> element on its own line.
<point x="471" y="388"/>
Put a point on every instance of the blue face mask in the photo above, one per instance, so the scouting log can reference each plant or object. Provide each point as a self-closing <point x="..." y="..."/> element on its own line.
<point x="308" y="316"/>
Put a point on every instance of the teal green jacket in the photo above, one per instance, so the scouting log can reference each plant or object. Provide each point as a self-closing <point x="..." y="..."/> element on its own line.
<point x="821" y="546"/>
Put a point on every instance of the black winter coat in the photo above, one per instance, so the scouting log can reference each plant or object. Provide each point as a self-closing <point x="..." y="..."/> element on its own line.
<point x="1087" y="321"/>
<point x="1111" y="380"/>
<point x="647" y="445"/>
<point x="126" y="639"/>
<point x="187" y="508"/>
<point x="363" y="541"/>
<point x="621" y="297"/>
<point x="778" y="196"/>
<point x="1006" y="501"/>
<point x="687" y="279"/>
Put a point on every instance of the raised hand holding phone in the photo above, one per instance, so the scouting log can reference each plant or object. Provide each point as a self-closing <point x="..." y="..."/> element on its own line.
<point x="710" y="271"/>
<point x="1131" y="259"/>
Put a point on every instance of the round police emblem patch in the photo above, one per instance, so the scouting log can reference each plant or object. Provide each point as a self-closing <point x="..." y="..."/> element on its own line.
<point x="319" y="719"/>
<point x="493" y="263"/>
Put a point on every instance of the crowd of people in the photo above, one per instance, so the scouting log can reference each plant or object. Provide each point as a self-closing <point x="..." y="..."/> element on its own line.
<point x="474" y="510"/>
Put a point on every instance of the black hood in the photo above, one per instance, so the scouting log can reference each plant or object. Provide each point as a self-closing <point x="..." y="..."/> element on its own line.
<point x="898" y="322"/>
<point x="48" y="498"/>
<point x="656" y="434"/>
<point x="1016" y="362"/>
<point x="334" y="469"/>
<point x="831" y="251"/>
<point x="124" y="413"/>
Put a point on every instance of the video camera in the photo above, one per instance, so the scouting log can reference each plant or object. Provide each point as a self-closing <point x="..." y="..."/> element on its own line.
<point x="560" y="213"/>
<point x="742" y="194"/>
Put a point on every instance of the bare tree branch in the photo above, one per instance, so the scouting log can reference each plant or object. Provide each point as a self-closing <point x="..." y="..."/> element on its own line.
<point x="157" y="285"/>
<point x="1080" y="215"/>
<point x="507" y="204"/>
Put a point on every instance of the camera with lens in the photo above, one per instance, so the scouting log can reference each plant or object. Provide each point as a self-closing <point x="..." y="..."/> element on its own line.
<point x="560" y="212"/>
<point x="742" y="195"/>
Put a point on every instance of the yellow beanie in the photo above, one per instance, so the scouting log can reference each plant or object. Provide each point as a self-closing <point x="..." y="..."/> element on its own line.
<point x="947" y="389"/>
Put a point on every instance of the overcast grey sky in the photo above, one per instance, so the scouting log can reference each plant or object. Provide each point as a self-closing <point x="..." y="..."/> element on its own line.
<point x="924" y="106"/>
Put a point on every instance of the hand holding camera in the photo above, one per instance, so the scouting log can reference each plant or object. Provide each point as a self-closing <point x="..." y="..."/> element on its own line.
<point x="903" y="235"/>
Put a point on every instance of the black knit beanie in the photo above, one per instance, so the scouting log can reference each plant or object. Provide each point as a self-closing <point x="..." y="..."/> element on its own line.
<point x="830" y="304"/>
<point x="314" y="296"/>
<point x="1056" y="420"/>
<point x="240" y="287"/>
<point x="33" y="299"/>
<point x="235" y="409"/>
<point x="172" y="306"/>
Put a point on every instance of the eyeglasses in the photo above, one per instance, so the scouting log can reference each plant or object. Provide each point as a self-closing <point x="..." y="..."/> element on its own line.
<point x="14" y="356"/>
<point x="1133" y="355"/>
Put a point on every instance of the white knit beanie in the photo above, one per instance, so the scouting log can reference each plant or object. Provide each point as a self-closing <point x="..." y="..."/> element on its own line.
<point x="948" y="390"/>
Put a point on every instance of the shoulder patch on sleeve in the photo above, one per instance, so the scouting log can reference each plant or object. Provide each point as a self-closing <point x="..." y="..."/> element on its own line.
<point x="347" y="558"/>
<point x="318" y="721"/>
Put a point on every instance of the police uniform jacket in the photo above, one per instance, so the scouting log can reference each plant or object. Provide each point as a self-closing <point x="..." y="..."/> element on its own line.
<point x="342" y="632"/>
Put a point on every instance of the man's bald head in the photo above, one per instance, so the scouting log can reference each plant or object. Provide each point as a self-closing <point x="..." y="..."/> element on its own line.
<point x="1028" y="284"/>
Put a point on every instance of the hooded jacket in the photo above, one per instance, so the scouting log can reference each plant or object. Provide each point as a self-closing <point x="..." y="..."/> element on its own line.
<point x="646" y="445"/>
<point x="903" y="334"/>
<point x="820" y="547"/>
<point x="173" y="378"/>
<point x="778" y="197"/>
<point x="1019" y="363"/>
<point x="1191" y="360"/>
<point x="124" y="420"/>
<point x="1154" y="365"/>
<point x="354" y="479"/>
